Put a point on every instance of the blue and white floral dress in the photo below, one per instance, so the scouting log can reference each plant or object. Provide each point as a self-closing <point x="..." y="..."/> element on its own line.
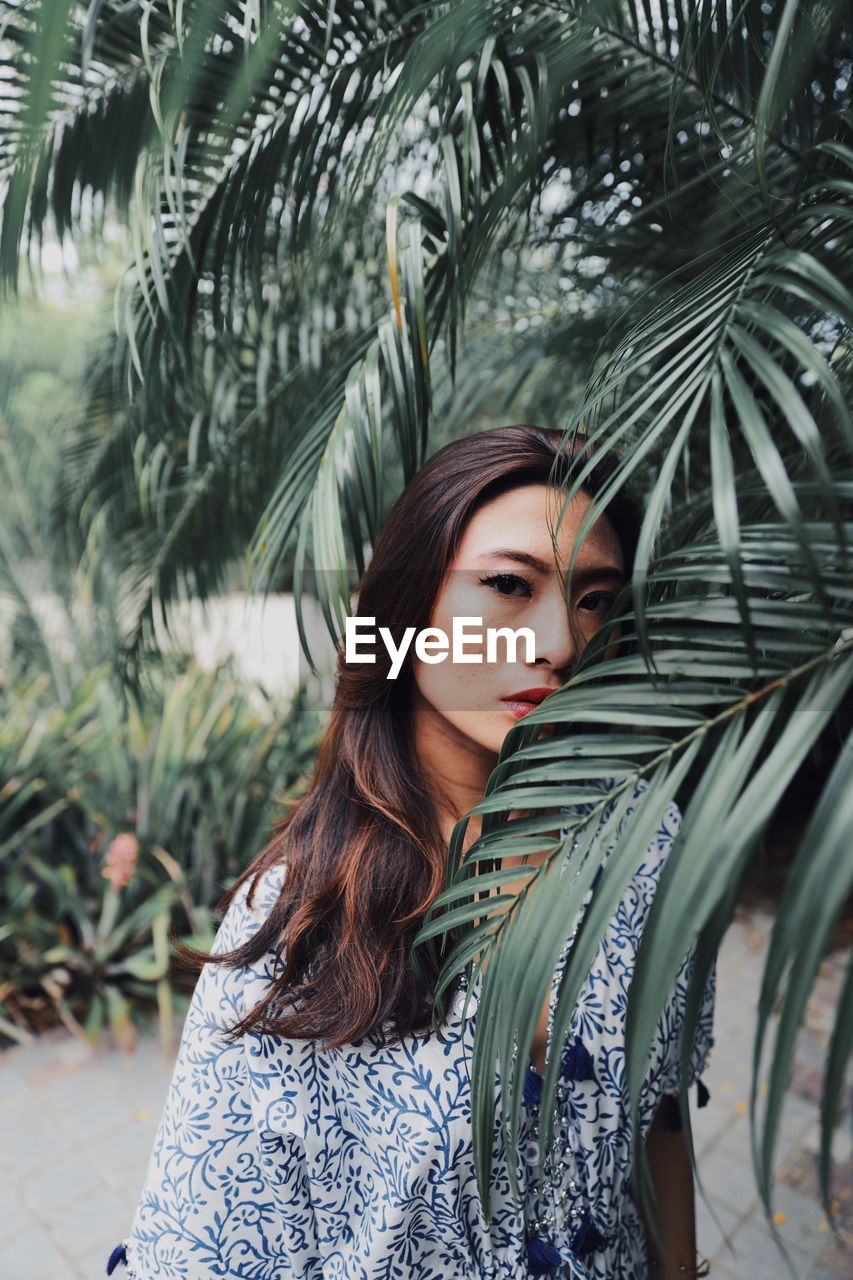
<point x="274" y="1160"/>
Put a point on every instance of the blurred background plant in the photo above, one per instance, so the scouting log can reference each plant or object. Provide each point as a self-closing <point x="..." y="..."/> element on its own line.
<point x="125" y="809"/>
<point x="356" y="230"/>
<point x="122" y="822"/>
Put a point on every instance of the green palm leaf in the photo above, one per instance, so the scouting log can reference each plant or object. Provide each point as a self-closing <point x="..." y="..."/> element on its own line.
<point x="340" y="217"/>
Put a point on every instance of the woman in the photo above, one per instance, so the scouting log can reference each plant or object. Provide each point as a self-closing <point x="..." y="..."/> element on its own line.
<point x="316" y="1126"/>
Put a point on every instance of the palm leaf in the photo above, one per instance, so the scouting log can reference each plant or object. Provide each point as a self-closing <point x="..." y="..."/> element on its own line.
<point x="686" y="169"/>
<point x="735" y="785"/>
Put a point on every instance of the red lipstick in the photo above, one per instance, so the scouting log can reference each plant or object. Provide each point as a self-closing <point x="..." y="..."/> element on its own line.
<point x="526" y="699"/>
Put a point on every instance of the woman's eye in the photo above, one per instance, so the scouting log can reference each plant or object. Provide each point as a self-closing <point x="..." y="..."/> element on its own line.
<point x="504" y="583"/>
<point x="597" y="601"/>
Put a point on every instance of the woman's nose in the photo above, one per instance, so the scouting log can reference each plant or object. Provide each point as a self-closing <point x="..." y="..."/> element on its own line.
<point x="555" y="646"/>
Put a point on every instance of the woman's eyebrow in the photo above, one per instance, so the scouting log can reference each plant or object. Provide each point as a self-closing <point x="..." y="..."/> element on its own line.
<point x="580" y="576"/>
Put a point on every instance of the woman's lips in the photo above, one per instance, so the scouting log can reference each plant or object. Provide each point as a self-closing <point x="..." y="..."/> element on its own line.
<point x="518" y="708"/>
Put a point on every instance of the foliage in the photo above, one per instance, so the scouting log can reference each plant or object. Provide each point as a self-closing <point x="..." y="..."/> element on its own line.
<point x="671" y="186"/>
<point x="187" y="780"/>
<point x="126" y="807"/>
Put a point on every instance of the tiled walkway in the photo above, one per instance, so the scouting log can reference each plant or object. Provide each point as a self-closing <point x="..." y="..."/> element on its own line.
<point x="77" y="1125"/>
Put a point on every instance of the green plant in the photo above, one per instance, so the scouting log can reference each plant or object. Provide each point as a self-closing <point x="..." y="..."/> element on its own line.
<point x="122" y="828"/>
<point x="684" y="172"/>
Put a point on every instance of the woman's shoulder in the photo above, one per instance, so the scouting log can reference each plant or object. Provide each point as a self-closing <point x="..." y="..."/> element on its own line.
<point x="668" y="820"/>
<point x="665" y="823"/>
<point x="227" y="988"/>
<point x="664" y="832"/>
<point x="636" y="788"/>
<point x="249" y="907"/>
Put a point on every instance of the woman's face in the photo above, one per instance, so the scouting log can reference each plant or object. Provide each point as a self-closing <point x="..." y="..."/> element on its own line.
<point x="509" y="572"/>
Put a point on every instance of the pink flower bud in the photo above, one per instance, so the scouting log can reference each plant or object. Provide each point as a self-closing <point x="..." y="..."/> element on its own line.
<point x="120" y="859"/>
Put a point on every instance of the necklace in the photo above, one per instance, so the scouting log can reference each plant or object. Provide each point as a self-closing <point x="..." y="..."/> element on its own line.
<point x="555" y="1203"/>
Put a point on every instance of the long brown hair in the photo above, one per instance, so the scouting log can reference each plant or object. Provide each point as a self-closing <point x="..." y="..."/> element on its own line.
<point x="363" y="851"/>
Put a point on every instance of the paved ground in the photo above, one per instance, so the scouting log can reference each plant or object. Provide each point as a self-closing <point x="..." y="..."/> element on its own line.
<point x="77" y="1127"/>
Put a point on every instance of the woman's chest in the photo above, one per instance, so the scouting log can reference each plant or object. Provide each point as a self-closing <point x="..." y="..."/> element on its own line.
<point x="541" y="1034"/>
<point x="383" y="1112"/>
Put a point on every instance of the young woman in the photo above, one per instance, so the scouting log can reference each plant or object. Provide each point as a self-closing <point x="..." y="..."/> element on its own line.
<point x="316" y="1126"/>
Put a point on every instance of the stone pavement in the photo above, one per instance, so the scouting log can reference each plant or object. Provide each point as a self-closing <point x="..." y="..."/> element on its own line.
<point x="77" y="1127"/>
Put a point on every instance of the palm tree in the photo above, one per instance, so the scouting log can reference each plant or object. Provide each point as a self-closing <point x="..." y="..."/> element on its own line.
<point x="353" y="220"/>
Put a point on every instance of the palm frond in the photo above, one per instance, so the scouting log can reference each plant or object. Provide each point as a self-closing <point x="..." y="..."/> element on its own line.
<point x="713" y="726"/>
<point x="671" y="183"/>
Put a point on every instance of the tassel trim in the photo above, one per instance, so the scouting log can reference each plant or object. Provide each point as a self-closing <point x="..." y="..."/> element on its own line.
<point x="578" y="1062"/>
<point x="587" y="1238"/>
<point x="119" y="1254"/>
<point x="542" y="1258"/>
<point x="532" y="1091"/>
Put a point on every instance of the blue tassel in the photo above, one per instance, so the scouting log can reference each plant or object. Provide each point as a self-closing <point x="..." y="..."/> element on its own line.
<point x="119" y="1254"/>
<point x="577" y="1062"/>
<point x="542" y="1257"/>
<point x="532" y="1087"/>
<point x="587" y="1238"/>
<point x="702" y="1094"/>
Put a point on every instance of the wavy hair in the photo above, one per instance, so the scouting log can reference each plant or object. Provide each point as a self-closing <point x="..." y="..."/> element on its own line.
<point x="363" y="853"/>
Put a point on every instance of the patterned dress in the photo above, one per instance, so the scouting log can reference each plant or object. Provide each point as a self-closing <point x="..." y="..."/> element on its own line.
<point x="274" y="1160"/>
